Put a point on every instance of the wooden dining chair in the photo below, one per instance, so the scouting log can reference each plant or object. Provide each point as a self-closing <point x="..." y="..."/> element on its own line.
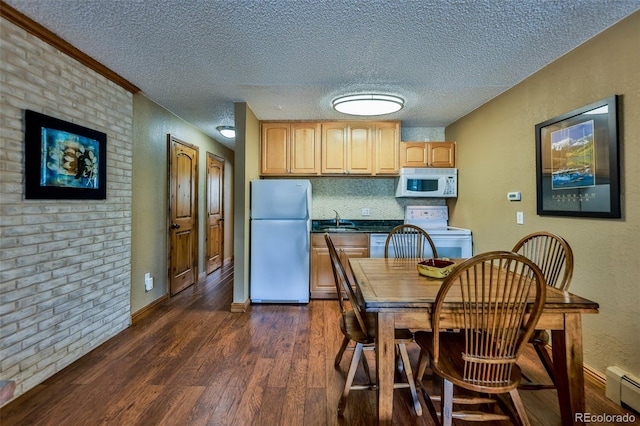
<point x="554" y="257"/>
<point x="359" y="326"/>
<point x="408" y="241"/>
<point x="495" y="290"/>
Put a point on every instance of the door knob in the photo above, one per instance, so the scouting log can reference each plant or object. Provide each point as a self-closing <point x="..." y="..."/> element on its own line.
<point x="175" y="226"/>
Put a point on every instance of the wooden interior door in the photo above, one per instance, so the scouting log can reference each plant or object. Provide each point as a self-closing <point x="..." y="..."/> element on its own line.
<point x="183" y="215"/>
<point x="215" y="218"/>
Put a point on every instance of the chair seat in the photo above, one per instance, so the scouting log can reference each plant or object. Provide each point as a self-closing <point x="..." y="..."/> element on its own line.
<point x="540" y="337"/>
<point x="351" y="329"/>
<point x="404" y="335"/>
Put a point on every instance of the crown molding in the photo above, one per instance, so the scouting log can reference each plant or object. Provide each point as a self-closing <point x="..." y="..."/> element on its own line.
<point x="32" y="27"/>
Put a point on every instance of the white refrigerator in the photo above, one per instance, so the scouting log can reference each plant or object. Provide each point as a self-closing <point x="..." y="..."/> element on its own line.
<point x="280" y="241"/>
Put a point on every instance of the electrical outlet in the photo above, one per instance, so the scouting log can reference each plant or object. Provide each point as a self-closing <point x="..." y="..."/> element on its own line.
<point x="520" y="218"/>
<point x="365" y="211"/>
<point x="148" y="282"/>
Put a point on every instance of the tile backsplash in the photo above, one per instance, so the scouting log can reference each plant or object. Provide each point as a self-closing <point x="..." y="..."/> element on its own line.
<point x="423" y="134"/>
<point x="348" y="196"/>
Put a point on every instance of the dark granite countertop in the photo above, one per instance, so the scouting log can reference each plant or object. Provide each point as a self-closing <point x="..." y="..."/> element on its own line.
<point x="346" y="225"/>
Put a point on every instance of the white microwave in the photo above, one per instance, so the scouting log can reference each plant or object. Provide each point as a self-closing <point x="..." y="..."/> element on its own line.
<point x="427" y="182"/>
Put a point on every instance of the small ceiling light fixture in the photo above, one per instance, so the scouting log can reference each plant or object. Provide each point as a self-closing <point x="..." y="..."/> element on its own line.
<point x="368" y="104"/>
<point x="227" y="131"/>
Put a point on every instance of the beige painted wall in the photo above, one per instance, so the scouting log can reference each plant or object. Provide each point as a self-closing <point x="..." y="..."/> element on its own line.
<point x="151" y="124"/>
<point x="247" y="158"/>
<point x="496" y="154"/>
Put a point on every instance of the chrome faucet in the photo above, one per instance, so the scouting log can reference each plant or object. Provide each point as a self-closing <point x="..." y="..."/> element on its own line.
<point x="337" y="218"/>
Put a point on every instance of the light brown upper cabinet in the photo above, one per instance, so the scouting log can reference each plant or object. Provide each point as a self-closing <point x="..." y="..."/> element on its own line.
<point x="332" y="148"/>
<point x="387" y="144"/>
<point x="428" y="154"/>
<point x="347" y="148"/>
<point x="290" y="148"/>
<point x="360" y="148"/>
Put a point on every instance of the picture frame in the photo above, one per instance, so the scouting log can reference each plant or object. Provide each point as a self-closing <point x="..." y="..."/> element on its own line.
<point x="577" y="164"/>
<point x="63" y="160"/>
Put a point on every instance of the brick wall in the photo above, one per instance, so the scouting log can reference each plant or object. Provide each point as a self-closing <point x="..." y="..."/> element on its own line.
<point x="64" y="264"/>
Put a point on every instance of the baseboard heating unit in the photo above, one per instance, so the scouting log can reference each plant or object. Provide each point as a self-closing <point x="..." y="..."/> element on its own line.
<point x="623" y="388"/>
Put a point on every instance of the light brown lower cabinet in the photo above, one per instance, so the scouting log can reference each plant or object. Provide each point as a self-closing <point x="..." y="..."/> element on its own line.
<point x="347" y="245"/>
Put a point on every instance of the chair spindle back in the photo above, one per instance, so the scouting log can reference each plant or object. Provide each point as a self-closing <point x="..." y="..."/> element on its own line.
<point x="408" y="241"/>
<point x="495" y="290"/>
<point x="552" y="254"/>
<point x="344" y="285"/>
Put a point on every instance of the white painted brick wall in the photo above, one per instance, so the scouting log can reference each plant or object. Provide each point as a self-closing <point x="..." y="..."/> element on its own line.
<point x="65" y="265"/>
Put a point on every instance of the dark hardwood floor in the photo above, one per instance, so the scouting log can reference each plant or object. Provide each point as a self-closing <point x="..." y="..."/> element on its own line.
<point x="192" y="362"/>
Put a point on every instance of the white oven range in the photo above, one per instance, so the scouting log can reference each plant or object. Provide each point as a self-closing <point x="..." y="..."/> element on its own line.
<point x="450" y="241"/>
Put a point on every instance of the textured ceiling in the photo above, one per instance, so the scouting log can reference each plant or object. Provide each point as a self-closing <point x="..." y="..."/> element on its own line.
<point x="288" y="59"/>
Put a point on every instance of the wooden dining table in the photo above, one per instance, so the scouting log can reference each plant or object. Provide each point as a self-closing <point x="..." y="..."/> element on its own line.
<point x="402" y="298"/>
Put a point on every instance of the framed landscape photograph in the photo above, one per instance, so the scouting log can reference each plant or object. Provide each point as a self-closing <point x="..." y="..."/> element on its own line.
<point x="577" y="166"/>
<point x="63" y="160"/>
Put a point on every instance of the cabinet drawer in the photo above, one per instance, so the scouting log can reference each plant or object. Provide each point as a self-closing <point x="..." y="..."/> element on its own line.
<point x="357" y="239"/>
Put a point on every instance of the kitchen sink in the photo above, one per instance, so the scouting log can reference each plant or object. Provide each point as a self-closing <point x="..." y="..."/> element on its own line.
<point x="339" y="229"/>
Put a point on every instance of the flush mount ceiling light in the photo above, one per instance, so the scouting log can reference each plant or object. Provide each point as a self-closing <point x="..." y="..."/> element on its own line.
<point x="227" y="131"/>
<point x="368" y="104"/>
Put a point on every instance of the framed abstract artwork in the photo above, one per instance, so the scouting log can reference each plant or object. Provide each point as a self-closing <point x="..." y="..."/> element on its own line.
<point x="577" y="162"/>
<point x="63" y="160"/>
